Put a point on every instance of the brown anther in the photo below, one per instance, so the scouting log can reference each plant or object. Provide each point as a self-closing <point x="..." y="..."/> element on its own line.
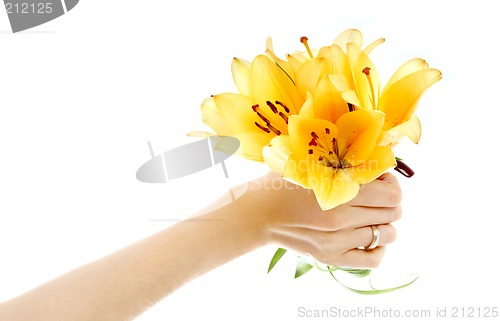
<point x="313" y="142"/>
<point x="327" y="131"/>
<point x="273" y="108"/>
<point x="254" y="107"/>
<point x="366" y="71"/>
<point x="274" y="130"/>
<point x="287" y="110"/>
<point x="310" y="151"/>
<point x="285" y="117"/>
<point x="314" y="135"/>
<point x="267" y="130"/>
<point x="263" y="118"/>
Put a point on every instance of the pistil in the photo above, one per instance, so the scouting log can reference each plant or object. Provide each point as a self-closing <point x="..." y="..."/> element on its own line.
<point x="304" y="41"/>
<point x="366" y="71"/>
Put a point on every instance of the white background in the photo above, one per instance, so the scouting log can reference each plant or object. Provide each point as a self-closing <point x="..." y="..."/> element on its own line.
<point x="82" y="95"/>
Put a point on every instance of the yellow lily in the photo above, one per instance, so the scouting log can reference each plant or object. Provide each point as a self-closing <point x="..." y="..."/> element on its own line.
<point x="331" y="159"/>
<point x="399" y="98"/>
<point x="270" y="90"/>
<point x="312" y="71"/>
<point x="260" y="111"/>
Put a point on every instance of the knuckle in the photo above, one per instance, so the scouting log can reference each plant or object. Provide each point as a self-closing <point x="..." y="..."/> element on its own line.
<point x="390" y="234"/>
<point x="335" y="222"/>
<point x="396" y="213"/>
<point x="373" y="261"/>
<point x="395" y="195"/>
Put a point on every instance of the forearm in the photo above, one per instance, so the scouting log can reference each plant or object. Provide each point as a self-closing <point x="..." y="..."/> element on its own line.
<point x="123" y="284"/>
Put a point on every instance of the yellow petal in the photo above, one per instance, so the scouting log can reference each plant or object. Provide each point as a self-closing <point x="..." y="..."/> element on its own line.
<point x="296" y="60"/>
<point x="349" y="36"/>
<point x="332" y="187"/>
<point x="351" y="97"/>
<point x="367" y="86"/>
<point x="240" y="69"/>
<point x="271" y="83"/>
<point x="296" y="171"/>
<point x="373" y="45"/>
<point x="307" y="110"/>
<point x="277" y="153"/>
<point x="400" y="100"/>
<point x="328" y="101"/>
<point x="237" y="111"/>
<point x="212" y="116"/>
<point x="341" y="82"/>
<point x="309" y="75"/>
<point x="410" y="128"/>
<point x="358" y="135"/>
<point x="407" y="68"/>
<point x="378" y="163"/>
<point x="335" y="59"/>
<point x="285" y="65"/>
<point x="251" y="144"/>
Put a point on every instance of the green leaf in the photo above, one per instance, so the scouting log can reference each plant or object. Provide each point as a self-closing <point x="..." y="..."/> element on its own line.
<point x="276" y="257"/>
<point x="302" y="267"/>
<point x="360" y="273"/>
<point x="374" y="291"/>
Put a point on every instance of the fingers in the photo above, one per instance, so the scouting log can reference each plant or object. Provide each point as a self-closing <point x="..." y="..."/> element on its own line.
<point x="382" y="192"/>
<point x="363" y="237"/>
<point x="339" y="248"/>
<point x="348" y="217"/>
<point x="357" y="258"/>
<point x="378" y="202"/>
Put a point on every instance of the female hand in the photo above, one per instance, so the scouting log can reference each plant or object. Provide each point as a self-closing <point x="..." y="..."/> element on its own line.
<point x="291" y="218"/>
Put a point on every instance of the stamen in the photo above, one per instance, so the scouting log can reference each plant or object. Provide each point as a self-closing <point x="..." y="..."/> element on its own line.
<point x="314" y="135"/>
<point x="261" y="113"/>
<point x="313" y="142"/>
<point x="273" y="108"/>
<point x="274" y="130"/>
<point x="327" y="131"/>
<point x="351" y="107"/>
<point x="335" y="146"/>
<point x="267" y="130"/>
<point x="263" y="118"/>
<point x="287" y="110"/>
<point x="285" y="117"/>
<point x="304" y="41"/>
<point x="310" y="151"/>
<point x="366" y="71"/>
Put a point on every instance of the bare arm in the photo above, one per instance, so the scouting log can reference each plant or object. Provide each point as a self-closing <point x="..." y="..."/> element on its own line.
<point x="125" y="283"/>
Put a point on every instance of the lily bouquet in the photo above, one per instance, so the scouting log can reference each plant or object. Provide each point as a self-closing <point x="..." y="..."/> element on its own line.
<point x="322" y="118"/>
